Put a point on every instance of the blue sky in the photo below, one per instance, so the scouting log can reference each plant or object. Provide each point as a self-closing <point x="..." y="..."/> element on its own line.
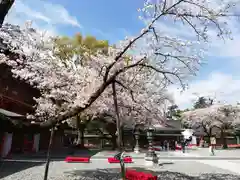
<point x="113" y="20"/>
<point x="105" y="19"/>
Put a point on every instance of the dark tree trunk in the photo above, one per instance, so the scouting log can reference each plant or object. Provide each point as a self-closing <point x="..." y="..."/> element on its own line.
<point x="119" y="129"/>
<point x="78" y="142"/>
<point x="118" y="123"/>
<point x="5" y="6"/>
<point x="49" y="154"/>
<point x="223" y="137"/>
<point x="82" y="138"/>
<point x="114" y="141"/>
<point x="209" y="136"/>
<point x="111" y="129"/>
<point x="80" y="132"/>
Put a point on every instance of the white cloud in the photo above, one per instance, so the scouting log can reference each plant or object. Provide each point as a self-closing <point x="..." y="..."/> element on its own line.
<point x="221" y="87"/>
<point x="45" y="15"/>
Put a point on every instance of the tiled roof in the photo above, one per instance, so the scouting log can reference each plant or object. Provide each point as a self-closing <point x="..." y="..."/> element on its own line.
<point x="9" y="113"/>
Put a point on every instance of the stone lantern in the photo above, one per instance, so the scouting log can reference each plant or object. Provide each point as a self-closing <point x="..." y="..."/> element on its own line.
<point x="150" y="157"/>
<point x="137" y="137"/>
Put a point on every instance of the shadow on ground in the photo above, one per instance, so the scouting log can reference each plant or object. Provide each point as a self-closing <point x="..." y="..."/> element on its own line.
<point x="8" y="168"/>
<point x="113" y="174"/>
<point x="56" y="154"/>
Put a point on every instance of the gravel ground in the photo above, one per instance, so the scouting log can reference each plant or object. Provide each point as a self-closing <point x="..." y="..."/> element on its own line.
<point x="101" y="170"/>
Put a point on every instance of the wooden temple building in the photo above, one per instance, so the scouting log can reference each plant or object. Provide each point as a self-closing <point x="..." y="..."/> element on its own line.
<point x="17" y="133"/>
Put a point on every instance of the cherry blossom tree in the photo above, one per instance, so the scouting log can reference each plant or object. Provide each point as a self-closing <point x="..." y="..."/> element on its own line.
<point x="216" y="117"/>
<point x="128" y="87"/>
<point x="68" y="91"/>
<point x="166" y="59"/>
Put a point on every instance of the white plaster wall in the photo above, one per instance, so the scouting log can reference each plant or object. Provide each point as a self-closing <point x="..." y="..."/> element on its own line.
<point x="7" y="144"/>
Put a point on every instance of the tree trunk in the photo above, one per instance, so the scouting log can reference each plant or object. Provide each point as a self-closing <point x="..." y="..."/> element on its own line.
<point x="79" y="133"/>
<point x="224" y="139"/>
<point x="78" y="130"/>
<point x="5" y="6"/>
<point x="209" y="135"/>
<point x="118" y="123"/>
<point x="114" y="142"/>
<point x="111" y="129"/>
<point x="82" y="136"/>
<point x="119" y="129"/>
<point x="49" y="154"/>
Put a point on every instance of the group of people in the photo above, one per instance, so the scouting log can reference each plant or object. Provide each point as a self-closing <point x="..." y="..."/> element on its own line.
<point x="167" y="145"/>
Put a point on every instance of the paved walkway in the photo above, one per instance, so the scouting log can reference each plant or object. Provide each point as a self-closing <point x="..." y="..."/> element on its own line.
<point x="219" y="152"/>
<point x="203" y="153"/>
<point x="194" y="161"/>
<point x="184" y="168"/>
<point x="231" y="163"/>
<point x="100" y="169"/>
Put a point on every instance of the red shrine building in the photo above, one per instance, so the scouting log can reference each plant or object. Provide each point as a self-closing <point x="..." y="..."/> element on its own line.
<point x="16" y="100"/>
<point x="18" y="134"/>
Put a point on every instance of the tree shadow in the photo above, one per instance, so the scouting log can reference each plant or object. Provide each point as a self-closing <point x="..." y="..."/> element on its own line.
<point x="165" y="163"/>
<point x="85" y="152"/>
<point x="56" y="155"/>
<point x="113" y="174"/>
<point x="10" y="167"/>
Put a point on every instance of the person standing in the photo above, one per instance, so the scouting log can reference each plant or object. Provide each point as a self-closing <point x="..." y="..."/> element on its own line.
<point x="168" y="145"/>
<point x="183" y="145"/>
<point x="212" y="145"/>
<point x="165" y="145"/>
<point x="173" y="145"/>
<point x="201" y="142"/>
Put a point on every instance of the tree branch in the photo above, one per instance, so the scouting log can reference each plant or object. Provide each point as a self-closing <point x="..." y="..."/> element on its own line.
<point x="164" y="73"/>
<point x="127" y="88"/>
<point x="108" y="81"/>
<point x="145" y="31"/>
<point x="179" y="58"/>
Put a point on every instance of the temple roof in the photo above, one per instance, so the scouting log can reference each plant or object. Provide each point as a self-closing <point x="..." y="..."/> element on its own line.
<point x="9" y="113"/>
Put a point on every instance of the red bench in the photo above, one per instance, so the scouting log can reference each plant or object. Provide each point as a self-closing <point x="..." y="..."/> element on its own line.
<point x="234" y="145"/>
<point x="134" y="175"/>
<point x="114" y="160"/>
<point x="77" y="159"/>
